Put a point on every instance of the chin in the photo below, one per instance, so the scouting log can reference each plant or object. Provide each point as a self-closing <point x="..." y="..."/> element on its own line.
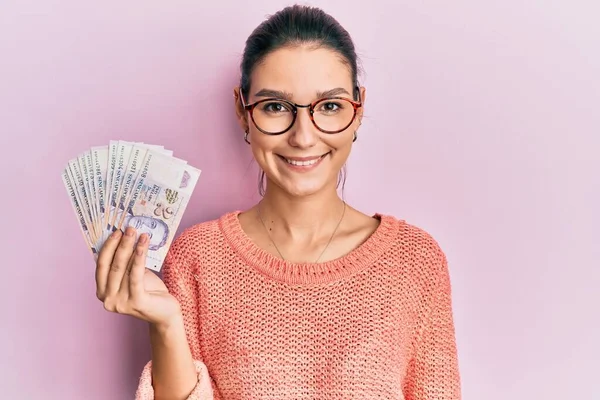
<point x="303" y="189"/>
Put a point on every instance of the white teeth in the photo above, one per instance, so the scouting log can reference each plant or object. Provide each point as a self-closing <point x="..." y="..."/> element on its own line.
<point x="303" y="163"/>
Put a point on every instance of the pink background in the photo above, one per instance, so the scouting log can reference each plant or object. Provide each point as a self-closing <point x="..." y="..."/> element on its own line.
<point x="482" y="124"/>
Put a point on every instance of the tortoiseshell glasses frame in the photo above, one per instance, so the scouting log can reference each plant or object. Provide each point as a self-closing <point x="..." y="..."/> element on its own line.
<point x="294" y="107"/>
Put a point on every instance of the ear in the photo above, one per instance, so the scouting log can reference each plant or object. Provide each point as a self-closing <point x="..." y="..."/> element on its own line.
<point x="361" y="110"/>
<point x="242" y="115"/>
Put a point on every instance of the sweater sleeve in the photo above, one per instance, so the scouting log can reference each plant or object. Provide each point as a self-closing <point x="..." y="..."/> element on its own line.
<point x="178" y="276"/>
<point x="202" y="391"/>
<point x="433" y="372"/>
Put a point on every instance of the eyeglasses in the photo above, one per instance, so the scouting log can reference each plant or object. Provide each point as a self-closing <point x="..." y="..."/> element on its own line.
<point x="274" y="116"/>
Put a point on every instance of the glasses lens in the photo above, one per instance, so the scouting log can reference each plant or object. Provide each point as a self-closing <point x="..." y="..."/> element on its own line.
<point x="330" y="115"/>
<point x="273" y="116"/>
<point x="333" y="115"/>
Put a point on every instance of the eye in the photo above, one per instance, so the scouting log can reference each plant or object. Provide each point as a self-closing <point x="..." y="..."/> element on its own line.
<point x="330" y="107"/>
<point x="275" y="107"/>
<point x="153" y="224"/>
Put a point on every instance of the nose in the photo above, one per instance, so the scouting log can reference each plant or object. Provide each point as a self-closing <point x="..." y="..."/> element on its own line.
<point x="303" y="134"/>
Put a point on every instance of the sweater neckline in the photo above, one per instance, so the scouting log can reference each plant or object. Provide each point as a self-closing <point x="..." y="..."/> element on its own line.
<point x="308" y="273"/>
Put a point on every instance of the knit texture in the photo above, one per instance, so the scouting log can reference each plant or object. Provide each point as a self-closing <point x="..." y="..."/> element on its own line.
<point x="374" y="324"/>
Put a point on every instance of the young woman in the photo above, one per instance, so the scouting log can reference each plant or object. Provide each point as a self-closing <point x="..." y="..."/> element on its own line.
<point x="301" y="296"/>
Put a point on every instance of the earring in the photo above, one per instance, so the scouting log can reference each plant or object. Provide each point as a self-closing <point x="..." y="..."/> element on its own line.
<point x="246" y="137"/>
<point x="354" y="140"/>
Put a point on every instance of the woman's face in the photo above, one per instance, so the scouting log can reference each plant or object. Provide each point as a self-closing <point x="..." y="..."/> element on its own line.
<point x="304" y="74"/>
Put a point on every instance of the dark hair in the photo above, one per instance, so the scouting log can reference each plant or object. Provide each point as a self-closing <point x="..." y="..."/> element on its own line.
<point x="293" y="26"/>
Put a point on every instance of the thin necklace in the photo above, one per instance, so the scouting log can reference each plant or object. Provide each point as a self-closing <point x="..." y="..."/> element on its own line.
<point x="326" y="246"/>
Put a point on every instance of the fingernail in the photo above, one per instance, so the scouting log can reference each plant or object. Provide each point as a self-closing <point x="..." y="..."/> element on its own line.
<point x="129" y="231"/>
<point x="143" y="238"/>
<point x="115" y="234"/>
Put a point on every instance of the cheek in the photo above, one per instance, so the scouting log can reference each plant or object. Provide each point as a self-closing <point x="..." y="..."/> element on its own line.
<point x="263" y="144"/>
<point x="341" y="144"/>
<point x="340" y="158"/>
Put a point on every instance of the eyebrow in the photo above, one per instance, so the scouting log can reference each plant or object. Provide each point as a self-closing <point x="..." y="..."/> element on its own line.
<point x="288" y="96"/>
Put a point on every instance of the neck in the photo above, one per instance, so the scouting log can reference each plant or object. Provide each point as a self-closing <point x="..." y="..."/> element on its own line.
<point x="303" y="219"/>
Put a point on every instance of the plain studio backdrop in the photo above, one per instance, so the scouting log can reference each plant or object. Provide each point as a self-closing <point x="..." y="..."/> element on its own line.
<point x="482" y="124"/>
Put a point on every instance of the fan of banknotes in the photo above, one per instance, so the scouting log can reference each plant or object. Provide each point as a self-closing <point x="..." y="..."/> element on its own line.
<point x="130" y="184"/>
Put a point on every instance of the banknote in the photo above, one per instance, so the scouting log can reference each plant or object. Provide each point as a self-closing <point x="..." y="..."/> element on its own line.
<point x="130" y="184"/>
<point x="83" y="226"/>
<point x="100" y="166"/>
<point x="137" y="154"/>
<point x="85" y="167"/>
<point x="76" y="177"/>
<point x="110" y="168"/>
<point x="157" y="203"/>
<point x="123" y="149"/>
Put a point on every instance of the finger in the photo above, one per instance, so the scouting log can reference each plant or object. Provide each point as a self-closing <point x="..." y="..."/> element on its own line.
<point x="105" y="258"/>
<point x="138" y="267"/>
<point x="120" y="262"/>
<point x="124" y="286"/>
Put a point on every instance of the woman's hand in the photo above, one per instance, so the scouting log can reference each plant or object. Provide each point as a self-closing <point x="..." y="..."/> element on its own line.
<point x="124" y="284"/>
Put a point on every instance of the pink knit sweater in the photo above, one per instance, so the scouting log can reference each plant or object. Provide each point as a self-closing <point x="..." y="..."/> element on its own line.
<point x="374" y="324"/>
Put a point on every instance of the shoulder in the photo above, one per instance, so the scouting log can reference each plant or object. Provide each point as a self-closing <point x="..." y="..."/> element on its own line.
<point x="421" y="241"/>
<point x="418" y="252"/>
<point x="420" y="265"/>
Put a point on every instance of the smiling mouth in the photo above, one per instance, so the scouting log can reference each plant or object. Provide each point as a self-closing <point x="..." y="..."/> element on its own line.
<point x="303" y="163"/>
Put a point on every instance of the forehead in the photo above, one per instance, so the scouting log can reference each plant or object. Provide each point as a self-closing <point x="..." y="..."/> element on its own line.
<point x="302" y="71"/>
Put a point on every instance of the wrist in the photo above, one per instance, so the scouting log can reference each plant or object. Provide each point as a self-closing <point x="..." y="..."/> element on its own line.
<point x="170" y="326"/>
